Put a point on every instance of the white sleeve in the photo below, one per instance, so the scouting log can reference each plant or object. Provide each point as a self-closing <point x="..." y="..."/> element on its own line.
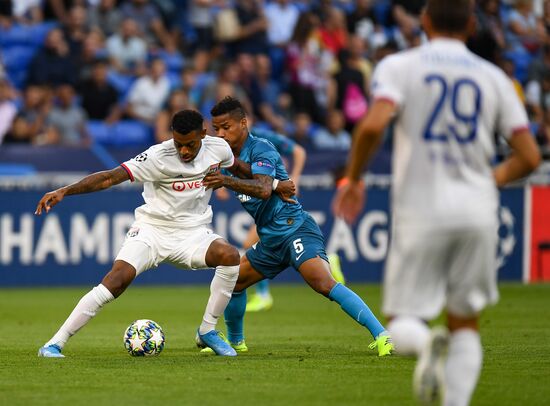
<point x="144" y="167"/>
<point x="227" y="158"/>
<point x="387" y="80"/>
<point x="511" y="116"/>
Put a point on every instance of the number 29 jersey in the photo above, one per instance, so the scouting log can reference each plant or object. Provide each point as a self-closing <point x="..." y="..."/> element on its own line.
<point x="450" y="104"/>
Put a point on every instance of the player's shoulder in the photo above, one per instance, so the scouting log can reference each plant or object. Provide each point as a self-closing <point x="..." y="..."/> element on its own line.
<point x="260" y="144"/>
<point x="159" y="151"/>
<point x="214" y="142"/>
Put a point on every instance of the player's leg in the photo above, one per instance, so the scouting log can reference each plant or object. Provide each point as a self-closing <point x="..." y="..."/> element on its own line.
<point x="113" y="284"/>
<point x="336" y="268"/>
<point x="234" y="313"/>
<point x="316" y="273"/>
<point x="472" y="286"/>
<point x="225" y="258"/>
<point x="262" y="299"/>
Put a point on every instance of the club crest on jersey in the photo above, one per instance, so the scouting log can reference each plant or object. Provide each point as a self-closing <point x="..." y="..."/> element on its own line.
<point x="132" y="232"/>
<point x="213" y="168"/>
<point x="141" y="157"/>
<point x="180" y="186"/>
<point x="243" y="198"/>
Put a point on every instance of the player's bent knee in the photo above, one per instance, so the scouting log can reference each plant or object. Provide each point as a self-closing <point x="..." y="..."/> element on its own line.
<point x="455" y="322"/>
<point x="230" y="257"/>
<point x="119" y="278"/>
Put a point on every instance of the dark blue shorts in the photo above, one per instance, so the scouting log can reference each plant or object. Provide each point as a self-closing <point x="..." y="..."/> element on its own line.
<point x="305" y="243"/>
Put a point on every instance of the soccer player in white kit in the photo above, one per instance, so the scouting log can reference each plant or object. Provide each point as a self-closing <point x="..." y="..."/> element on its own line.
<point x="171" y="227"/>
<point x="447" y="104"/>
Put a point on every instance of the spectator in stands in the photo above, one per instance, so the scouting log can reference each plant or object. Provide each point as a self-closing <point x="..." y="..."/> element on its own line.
<point x="524" y="31"/>
<point x="53" y="64"/>
<point x="334" y="136"/>
<point x="252" y="37"/>
<point x="104" y="16"/>
<point x="92" y="49"/>
<point x="59" y="9"/>
<point x="149" y="20"/>
<point x="29" y="125"/>
<point x="349" y="90"/>
<point x="75" y="30"/>
<point x="68" y="119"/>
<point x="276" y="103"/>
<point x="148" y="94"/>
<point x="177" y="101"/>
<point x="538" y="97"/>
<point x="201" y="18"/>
<point x="189" y="84"/>
<point x="406" y="15"/>
<point x="8" y="110"/>
<point x="361" y="21"/>
<point x="488" y="40"/>
<point x="333" y="32"/>
<point x="99" y="98"/>
<point x="302" y="128"/>
<point x="507" y="65"/>
<point x="281" y="16"/>
<point x="308" y="64"/>
<point x="126" y="50"/>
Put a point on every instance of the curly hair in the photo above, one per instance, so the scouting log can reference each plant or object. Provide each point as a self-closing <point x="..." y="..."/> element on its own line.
<point x="185" y="121"/>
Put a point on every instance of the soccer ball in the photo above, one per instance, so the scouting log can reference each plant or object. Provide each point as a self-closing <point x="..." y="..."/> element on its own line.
<point x="143" y="338"/>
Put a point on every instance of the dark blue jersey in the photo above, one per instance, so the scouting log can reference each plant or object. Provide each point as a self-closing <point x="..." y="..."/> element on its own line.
<point x="273" y="217"/>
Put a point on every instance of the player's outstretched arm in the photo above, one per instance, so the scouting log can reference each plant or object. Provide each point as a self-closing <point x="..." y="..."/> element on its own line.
<point x="260" y="186"/>
<point x="367" y="136"/>
<point x="299" y="157"/>
<point x="91" y="183"/>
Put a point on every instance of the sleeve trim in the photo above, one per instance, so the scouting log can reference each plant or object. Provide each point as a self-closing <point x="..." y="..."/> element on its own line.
<point x="128" y="171"/>
<point x="518" y="130"/>
<point x="385" y="99"/>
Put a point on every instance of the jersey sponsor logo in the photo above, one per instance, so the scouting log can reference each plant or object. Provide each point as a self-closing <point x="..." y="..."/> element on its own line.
<point x="132" y="232"/>
<point x="266" y="164"/>
<point x="180" y="186"/>
<point x="141" y="157"/>
<point x="243" y="198"/>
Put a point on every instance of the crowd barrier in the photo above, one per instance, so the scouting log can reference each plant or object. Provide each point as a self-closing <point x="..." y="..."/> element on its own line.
<point x="76" y="242"/>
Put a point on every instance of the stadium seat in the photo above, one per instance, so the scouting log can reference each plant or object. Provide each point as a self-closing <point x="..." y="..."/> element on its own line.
<point x="32" y="35"/>
<point x="173" y="60"/>
<point x="131" y="132"/>
<point x="99" y="131"/>
<point x="122" y="83"/>
<point x="175" y="80"/>
<point x="17" y="56"/>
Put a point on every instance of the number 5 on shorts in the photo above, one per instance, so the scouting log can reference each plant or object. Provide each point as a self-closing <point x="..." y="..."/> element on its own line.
<point x="298" y="246"/>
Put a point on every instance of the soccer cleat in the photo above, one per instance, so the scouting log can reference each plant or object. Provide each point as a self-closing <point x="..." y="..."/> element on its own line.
<point x="258" y="303"/>
<point x="384" y="345"/>
<point x="51" y="351"/>
<point x="239" y="346"/>
<point x="336" y="269"/>
<point x="429" y="373"/>
<point x="216" y="341"/>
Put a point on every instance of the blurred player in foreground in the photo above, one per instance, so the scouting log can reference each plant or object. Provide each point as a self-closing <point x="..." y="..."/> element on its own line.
<point x="447" y="103"/>
<point x="170" y="227"/>
<point x="288" y="235"/>
<point x="287" y="148"/>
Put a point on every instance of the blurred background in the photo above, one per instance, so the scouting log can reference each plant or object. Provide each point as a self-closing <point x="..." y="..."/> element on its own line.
<point x="88" y="84"/>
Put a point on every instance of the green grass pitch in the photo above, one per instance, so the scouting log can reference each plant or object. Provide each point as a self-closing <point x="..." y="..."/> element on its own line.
<point x="305" y="351"/>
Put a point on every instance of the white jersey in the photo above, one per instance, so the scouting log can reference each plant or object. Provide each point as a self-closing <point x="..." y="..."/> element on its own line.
<point x="173" y="190"/>
<point x="450" y="104"/>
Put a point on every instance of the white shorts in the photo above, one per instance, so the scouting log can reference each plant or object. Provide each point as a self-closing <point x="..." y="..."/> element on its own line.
<point x="146" y="246"/>
<point x="429" y="268"/>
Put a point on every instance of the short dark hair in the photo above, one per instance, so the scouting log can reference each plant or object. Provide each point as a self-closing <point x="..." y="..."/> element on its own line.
<point x="450" y="16"/>
<point x="228" y="105"/>
<point x="185" y="121"/>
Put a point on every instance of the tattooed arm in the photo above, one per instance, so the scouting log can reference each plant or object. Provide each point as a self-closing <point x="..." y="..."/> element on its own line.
<point x="91" y="183"/>
<point x="259" y="186"/>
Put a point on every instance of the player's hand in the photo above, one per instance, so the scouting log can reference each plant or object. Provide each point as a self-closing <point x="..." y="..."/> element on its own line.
<point x="213" y="180"/>
<point x="349" y="201"/>
<point x="49" y="200"/>
<point x="285" y="190"/>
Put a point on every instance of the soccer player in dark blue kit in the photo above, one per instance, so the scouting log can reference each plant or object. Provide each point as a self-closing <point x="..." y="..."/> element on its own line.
<point x="288" y="235"/>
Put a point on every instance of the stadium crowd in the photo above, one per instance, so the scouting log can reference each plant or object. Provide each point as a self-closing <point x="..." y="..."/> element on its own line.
<point x="72" y="70"/>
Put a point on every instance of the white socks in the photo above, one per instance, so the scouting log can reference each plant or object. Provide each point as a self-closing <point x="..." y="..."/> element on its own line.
<point x="87" y="308"/>
<point x="221" y="289"/>
<point x="409" y="335"/>
<point x="463" y="367"/>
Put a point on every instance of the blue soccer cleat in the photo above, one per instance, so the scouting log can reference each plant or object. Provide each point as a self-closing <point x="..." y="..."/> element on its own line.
<point x="214" y="340"/>
<point x="51" y="351"/>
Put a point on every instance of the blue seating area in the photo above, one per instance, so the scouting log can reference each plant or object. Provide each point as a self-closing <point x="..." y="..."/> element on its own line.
<point x="125" y="132"/>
